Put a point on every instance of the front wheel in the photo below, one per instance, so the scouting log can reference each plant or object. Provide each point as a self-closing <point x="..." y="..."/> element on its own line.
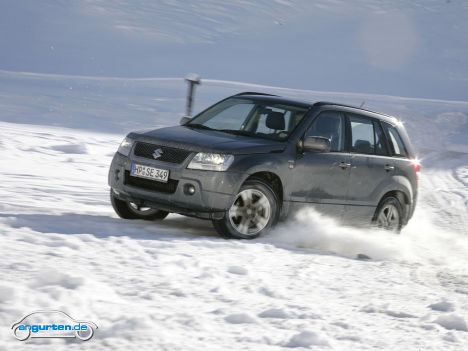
<point x="389" y="215"/>
<point x="253" y="212"/>
<point x="130" y="210"/>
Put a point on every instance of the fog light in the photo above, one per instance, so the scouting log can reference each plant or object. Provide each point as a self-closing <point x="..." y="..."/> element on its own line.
<point x="117" y="175"/>
<point x="189" y="189"/>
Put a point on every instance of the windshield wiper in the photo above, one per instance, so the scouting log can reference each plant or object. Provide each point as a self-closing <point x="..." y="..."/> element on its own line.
<point x="229" y="131"/>
<point x="237" y="132"/>
<point x="199" y="126"/>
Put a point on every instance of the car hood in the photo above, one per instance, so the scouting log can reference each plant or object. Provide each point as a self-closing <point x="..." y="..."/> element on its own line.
<point x="201" y="140"/>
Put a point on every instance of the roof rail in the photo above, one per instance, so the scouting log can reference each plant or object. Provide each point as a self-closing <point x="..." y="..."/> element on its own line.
<point x="253" y="93"/>
<point x="322" y="103"/>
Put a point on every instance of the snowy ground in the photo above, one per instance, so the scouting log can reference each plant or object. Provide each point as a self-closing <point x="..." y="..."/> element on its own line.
<point x="175" y="285"/>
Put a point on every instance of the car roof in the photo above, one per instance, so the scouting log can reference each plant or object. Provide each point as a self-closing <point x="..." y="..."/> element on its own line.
<point x="308" y="104"/>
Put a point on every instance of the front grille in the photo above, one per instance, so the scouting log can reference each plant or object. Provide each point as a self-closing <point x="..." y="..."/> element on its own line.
<point x="168" y="188"/>
<point x="167" y="154"/>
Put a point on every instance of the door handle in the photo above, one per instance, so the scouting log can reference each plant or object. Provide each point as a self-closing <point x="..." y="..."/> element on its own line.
<point x="344" y="165"/>
<point x="389" y="168"/>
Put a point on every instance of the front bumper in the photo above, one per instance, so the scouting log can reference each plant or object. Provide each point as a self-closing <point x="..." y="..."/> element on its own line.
<point x="214" y="191"/>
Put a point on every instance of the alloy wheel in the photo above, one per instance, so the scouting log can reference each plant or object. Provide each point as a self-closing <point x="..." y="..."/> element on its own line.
<point x="388" y="218"/>
<point x="250" y="212"/>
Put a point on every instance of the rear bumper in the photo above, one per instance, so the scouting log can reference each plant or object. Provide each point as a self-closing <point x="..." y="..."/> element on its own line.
<point x="213" y="190"/>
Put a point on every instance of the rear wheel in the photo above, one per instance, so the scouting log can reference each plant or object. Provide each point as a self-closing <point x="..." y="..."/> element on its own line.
<point x="131" y="210"/>
<point x="389" y="214"/>
<point x="253" y="212"/>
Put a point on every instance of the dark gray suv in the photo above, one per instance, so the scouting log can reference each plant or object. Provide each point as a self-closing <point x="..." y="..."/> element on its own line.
<point x="251" y="159"/>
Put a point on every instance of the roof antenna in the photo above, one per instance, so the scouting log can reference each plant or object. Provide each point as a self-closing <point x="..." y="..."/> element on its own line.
<point x="362" y="104"/>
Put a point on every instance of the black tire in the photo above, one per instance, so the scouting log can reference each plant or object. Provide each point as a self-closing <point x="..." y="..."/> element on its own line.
<point x="125" y="210"/>
<point x="389" y="214"/>
<point x="254" y="213"/>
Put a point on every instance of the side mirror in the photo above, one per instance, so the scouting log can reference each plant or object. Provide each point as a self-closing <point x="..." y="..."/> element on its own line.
<point x="316" y="144"/>
<point x="184" y="120"/>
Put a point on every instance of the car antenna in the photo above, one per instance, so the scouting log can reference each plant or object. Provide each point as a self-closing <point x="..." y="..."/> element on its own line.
<point x="362" y="104"/>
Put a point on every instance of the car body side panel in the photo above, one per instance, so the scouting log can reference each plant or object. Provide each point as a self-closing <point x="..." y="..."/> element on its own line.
<point x="368" y="177"/>
<point x="363" y="214"/>
<point x="318" y="178"/>
<point x="404" y="170"/>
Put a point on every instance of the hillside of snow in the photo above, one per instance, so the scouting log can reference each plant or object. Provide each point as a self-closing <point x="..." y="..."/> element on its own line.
<point x="75" y="77"/>
<point x="175" y="284"/>
<point x="414" y="48"/>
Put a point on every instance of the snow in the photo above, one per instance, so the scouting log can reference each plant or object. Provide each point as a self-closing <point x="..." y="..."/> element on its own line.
<point x="65" y="105"/>
<point x="330" y="237"/>
<point x="452" y="322"/>
<point x="307" y="339"/>
<point x="442" y="306"/>
<point x="176" y="284"/>
<point x="237" y="270"/>
<point x="274" y="313"/>
<point x="239" y="318"/>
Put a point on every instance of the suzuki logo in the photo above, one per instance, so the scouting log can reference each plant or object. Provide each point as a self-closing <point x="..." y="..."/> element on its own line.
<point x="157" y="153"/>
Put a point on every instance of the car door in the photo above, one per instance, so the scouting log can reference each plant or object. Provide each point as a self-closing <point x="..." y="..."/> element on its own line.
<point x="371" y="166"/>
<point x="321" y="178"/>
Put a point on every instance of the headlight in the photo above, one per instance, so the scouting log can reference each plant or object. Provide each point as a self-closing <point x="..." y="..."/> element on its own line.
<point x="125" y="146"/>
<point x="211" y="162"/>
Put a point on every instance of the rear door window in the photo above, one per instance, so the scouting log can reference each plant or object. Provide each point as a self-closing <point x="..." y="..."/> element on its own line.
<point x="362" y="135"/>
<point x="396" y="143"/>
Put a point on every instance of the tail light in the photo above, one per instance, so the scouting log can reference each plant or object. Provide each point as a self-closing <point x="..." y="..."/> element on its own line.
<point x="417" y="167"/>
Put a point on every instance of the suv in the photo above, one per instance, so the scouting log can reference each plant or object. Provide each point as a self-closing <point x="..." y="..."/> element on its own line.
<point x="251" y="159"/>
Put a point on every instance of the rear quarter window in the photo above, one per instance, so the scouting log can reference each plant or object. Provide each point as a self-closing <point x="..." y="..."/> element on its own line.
<point x="396" y="142"/>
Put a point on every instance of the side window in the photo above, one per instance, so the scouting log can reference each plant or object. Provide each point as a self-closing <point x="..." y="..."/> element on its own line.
<point x="362" y="135"/>
<point x="265" y="127"/>
<point x="395" y="141"/>
<point x="330" y="125"/>
<point x="380" y="145"/>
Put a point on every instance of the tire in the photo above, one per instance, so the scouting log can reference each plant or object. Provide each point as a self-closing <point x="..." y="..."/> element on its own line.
<point x="129" y="210"/>
<point x="389" y="215"/>
<point x="254" y="211"/>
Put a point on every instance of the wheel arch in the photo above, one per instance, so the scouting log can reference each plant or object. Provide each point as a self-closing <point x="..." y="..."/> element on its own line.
<point x="402" y="197"/>
<point x="271" y="184"/>
<point x="271" y="179"/>
<point x="398" y="184"/>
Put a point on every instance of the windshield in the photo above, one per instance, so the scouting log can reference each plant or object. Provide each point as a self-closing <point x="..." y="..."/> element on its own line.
<point x="250" y="118"/>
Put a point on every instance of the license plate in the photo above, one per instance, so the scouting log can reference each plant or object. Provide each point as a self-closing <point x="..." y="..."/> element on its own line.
<point x="160" y="175"/>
